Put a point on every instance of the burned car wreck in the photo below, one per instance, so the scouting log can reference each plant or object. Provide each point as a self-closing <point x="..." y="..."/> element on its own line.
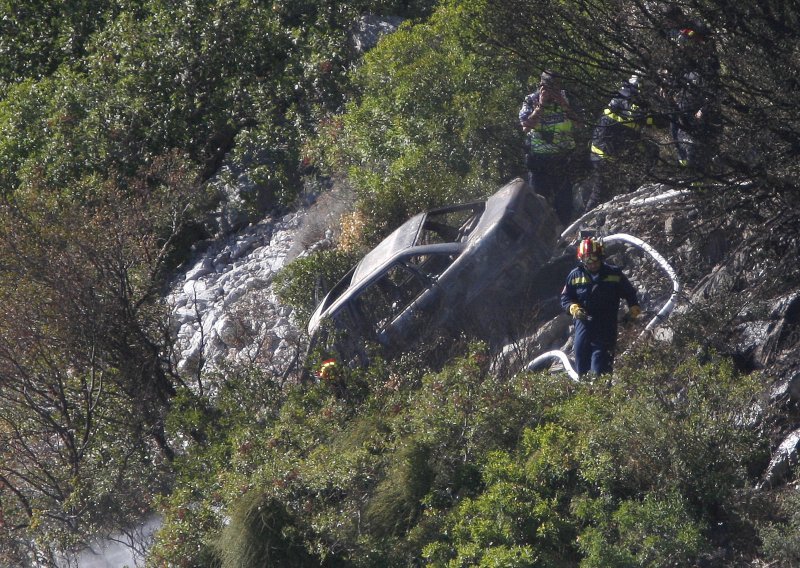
<point x="443" y="272"/>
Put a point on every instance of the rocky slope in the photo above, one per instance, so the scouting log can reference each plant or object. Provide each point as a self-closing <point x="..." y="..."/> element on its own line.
<point x="225" y="311"/>
<point x="720" y="275"/>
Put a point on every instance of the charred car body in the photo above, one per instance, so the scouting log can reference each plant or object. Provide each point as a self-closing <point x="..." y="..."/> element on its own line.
<point x="446" y="270"/>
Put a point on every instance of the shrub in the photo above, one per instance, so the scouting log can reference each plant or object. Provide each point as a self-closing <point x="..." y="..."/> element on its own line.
<point x="304" y="282"/>
<point x="781" y="537"/>
<point x="262" y="532"/>
<point x="431" y="123"/>
<point x="630" y="474"/>
<point x="397" y="499"/>
<point x="657" y="531"/>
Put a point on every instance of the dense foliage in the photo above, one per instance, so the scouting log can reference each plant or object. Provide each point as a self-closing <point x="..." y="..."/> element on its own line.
<point x="113" y="117"/>
<point x="116" y="117"/>
<point x="463" y="467"/>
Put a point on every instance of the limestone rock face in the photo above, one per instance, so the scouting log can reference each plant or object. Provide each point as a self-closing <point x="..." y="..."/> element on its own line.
<point x="370" y="28"/>
<point x="224" y="310"/>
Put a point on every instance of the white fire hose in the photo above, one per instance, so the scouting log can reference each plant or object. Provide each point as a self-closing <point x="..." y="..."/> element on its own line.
<point x="635" y="202"/>
<point x="667" y="308"/>
<point x="554" y="355"/>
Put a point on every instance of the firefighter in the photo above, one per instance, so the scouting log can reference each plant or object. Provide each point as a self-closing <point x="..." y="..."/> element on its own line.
<point x="328" y="370"/>
<point x="591" y="296"/>
<point x="697" y="125"/>
<point x="618" y="139"/>
<point x="691" y="86"/>
<point x="331" y="373"/>
<point x="549" y="121"/>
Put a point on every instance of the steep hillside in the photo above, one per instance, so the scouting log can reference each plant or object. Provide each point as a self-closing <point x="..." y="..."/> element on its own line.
<point x="138" y="136"/>
<point x="387" y="461"/>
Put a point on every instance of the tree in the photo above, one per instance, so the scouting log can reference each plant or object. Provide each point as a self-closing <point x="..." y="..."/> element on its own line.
<point x="37" y="36"/>
<point x="434" y="120"/>
<point x="597" y="44"/>
<point x="86" y="378"/>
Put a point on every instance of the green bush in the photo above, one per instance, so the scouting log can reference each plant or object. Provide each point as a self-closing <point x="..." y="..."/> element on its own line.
<point x="304" y="282"/>
<point x="38" y="36"/>
<point x="397" y="500"/>
<point x="781" y="537"/>
<point x="460" y="467"/>
<point x="656" y="531"/>
<point x="633" y="474"/>
<point x="262" y="532"/>
<point x="431" y="124"/>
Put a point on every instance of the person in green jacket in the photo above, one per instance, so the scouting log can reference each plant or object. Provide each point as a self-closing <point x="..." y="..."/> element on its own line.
<point x="549" y="122"/>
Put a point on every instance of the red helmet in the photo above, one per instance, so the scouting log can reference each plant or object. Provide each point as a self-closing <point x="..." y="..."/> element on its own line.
<point x="590" y="247"/>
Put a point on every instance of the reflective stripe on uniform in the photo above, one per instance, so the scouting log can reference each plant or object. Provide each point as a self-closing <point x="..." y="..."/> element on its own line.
<point x="584" y="280"/>
<point x="630" y="123"/>
<point x="597" y="151"/>
<point x="560" y="129"/>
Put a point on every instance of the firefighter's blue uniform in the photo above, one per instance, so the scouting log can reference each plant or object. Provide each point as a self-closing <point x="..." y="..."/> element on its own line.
<point x="599" y="295"/>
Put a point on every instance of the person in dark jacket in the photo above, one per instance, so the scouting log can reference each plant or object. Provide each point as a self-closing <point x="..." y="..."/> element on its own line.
<point x="697" y="124"/>
<point x="618" y="139"/>
<point x="549" y="121"/>
<point x="591" y="295"/>
<point x="692" y="86"/>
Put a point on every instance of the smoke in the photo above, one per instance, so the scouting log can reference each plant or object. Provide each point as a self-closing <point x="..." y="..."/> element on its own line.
<point x="120" y="550"/>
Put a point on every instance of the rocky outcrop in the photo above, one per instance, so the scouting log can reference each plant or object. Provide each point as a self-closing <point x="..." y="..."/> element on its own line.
<point x="224" y="310"/>
<point x="370" y="28"/>
<point x="783" y="459"/>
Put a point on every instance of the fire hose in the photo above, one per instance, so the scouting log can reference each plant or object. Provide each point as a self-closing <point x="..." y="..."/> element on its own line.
<point x="662" y="314"/>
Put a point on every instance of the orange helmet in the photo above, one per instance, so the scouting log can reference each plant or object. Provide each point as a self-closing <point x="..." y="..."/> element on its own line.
<point x="328" y="369"/>
<point x="590" y="247"/>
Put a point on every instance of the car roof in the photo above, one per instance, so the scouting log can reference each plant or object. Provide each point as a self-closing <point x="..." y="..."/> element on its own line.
<point x="331" y="304"/>
<point x="400" y="239"/>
